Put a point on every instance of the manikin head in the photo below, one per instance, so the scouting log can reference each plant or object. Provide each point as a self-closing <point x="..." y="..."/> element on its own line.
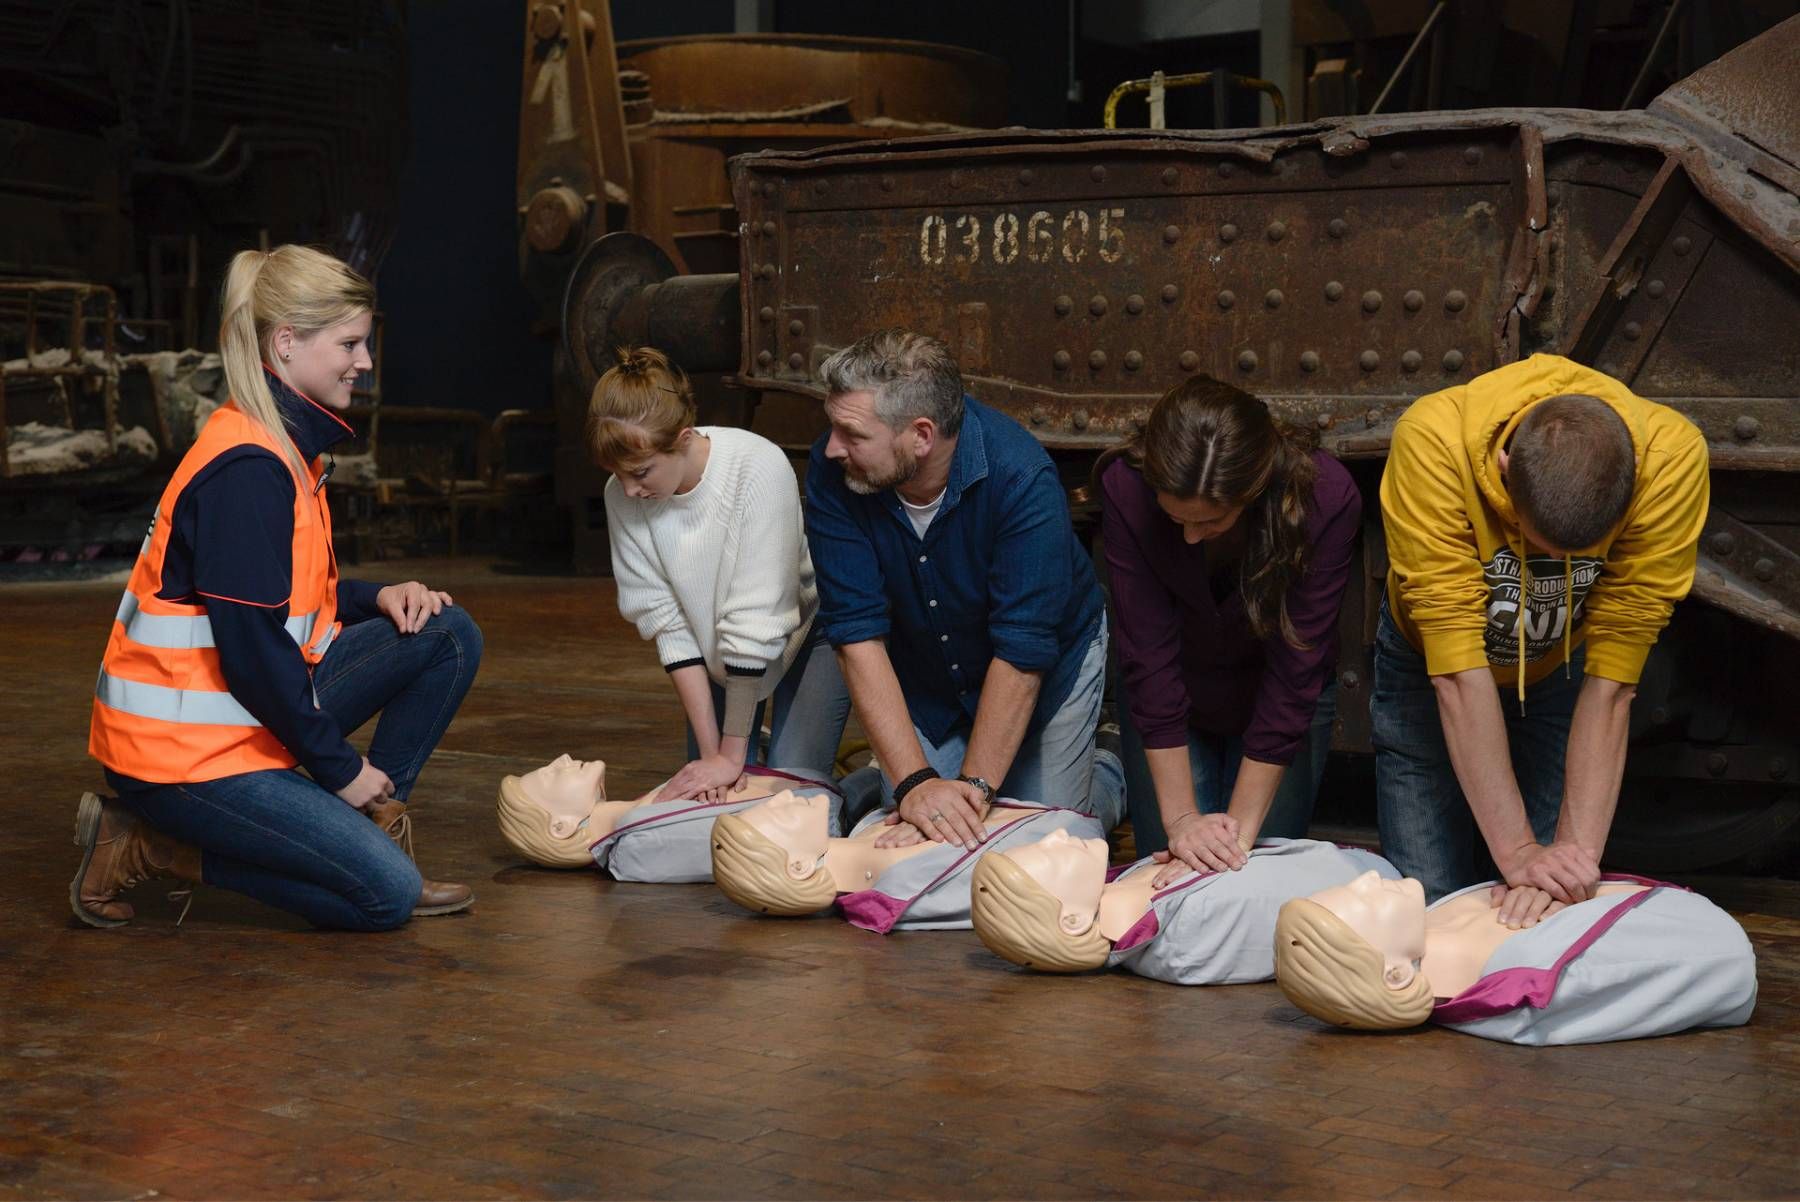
<point x="1349" y="954"/>
<point x="1036" y="905"/>
<point x="770" y="857"/>
<point x="544" y="813"/>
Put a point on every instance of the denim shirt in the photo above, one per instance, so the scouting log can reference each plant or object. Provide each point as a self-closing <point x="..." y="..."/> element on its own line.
<point x="998" y="573"/>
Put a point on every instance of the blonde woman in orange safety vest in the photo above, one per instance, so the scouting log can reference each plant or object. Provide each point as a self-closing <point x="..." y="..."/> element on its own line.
<point x="239" y="662"/>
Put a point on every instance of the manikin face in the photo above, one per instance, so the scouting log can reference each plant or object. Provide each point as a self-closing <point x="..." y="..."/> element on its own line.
<point x="801" y="826"/>
<point x="1390" y="915"/>
<point x="1199" y="518"/>
<point x="324" y="364"/>
<point x="874" y="457"/>
<point x="659" y="476"/>
<point x="1072" y="870"/>
<point x="568" y="790"/>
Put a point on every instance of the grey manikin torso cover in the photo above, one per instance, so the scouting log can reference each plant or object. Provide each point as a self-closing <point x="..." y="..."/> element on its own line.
<point x="670" y="842"/>
<point x="1613" y="967"/>
<point x="1218" y="928"/>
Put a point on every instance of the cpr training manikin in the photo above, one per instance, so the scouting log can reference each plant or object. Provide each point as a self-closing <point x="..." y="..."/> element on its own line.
<point x="1050" y="906"/>
<point x="779" y="858"/>
<point x="559" y="816"/>
<point x="1641" y="958"/>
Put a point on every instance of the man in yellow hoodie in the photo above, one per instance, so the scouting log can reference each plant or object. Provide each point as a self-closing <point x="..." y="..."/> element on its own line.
<point x="1600" y="496"/>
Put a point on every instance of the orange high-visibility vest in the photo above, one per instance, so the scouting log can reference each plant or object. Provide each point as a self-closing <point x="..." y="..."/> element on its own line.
<point x="162" y="710"/>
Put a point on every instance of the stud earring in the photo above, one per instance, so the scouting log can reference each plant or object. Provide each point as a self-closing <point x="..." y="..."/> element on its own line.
<point x="284" y="356"/>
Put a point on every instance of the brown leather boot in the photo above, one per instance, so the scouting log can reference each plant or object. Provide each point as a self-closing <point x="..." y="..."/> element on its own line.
<point x="119" y="850"/>
<point x="437" y="897"/>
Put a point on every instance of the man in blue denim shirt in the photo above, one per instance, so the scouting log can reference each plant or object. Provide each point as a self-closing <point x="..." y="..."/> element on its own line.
<point x="964" y="612"/>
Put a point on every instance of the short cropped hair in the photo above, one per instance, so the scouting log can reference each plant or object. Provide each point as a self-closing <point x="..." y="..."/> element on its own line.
<point x="912" y="376"/>
<point x="1571" y="469"/>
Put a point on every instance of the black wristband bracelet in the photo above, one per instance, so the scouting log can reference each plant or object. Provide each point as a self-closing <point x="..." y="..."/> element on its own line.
<point x="918" y="778"/>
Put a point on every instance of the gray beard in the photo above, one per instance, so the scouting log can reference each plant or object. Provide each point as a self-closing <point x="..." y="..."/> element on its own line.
<point x="867" y="486"/>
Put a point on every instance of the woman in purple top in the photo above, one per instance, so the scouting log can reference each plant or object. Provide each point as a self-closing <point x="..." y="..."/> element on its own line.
<point x="1229" y="542"/>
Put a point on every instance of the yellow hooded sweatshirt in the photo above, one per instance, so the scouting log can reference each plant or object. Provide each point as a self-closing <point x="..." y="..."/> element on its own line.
<point x="1454" y="543"/>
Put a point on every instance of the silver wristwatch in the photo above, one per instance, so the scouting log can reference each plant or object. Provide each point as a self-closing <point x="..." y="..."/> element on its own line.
<point x="987" y="790"/>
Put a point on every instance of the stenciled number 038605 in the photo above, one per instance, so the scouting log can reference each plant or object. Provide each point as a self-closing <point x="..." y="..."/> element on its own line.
<point x="1038" y="237"/>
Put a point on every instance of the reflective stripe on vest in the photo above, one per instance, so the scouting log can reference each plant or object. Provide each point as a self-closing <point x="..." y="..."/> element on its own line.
<point x="172" y="705"/>
<point x="177" y="631"/>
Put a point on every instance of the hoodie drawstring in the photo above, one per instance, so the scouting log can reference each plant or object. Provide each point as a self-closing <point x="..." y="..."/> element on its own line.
<point x="1568" y="613"/>
<point x="1524" y="598"/>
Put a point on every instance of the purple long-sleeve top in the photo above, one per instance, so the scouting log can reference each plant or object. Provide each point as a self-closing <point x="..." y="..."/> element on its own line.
<point x="1190" y="662"/>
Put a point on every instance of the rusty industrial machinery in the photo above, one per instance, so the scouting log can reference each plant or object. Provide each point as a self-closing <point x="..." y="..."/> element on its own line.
<point x="1340" y="269"/>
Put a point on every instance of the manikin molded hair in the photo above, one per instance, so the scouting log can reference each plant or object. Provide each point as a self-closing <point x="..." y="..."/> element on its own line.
<point x="751" y="869"/>
<point x="526" y="826"/>
<point x="1019" y="919"/>
<point x="1328" y="970"/>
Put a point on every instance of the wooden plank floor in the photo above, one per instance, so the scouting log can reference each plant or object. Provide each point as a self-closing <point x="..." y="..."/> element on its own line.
<point x="572" y="1037"/>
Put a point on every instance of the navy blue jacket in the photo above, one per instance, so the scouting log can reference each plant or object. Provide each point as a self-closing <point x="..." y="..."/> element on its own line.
<point x="231" y="548"/>
<point x="999" y="573"/>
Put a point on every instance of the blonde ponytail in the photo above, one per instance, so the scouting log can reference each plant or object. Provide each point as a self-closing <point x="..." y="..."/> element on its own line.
<point x="290" y="285"/>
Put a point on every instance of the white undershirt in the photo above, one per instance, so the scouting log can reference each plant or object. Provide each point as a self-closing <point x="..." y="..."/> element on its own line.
<point x="921" y="515"/>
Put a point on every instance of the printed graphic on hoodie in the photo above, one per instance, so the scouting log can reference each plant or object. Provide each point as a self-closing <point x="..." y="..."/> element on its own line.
<point x="1546" y="611"/>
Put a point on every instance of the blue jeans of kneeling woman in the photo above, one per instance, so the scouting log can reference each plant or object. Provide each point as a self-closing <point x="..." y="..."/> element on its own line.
<point x="280" y="838"/>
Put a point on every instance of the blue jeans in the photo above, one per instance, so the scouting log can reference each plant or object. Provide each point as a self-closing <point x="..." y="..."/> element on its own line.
<point x="279" y="837"/>
<point x="1214" y="761"/>
<point x="1058" y="764"/>
<point x="1427" y="828"/>
<point x="806" y="712"/>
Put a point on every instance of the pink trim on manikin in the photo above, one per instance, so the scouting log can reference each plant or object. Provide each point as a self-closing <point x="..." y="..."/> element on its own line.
<point x="1142" y="931"/>
<point x="1511" y="988"/>
<point x="870" y="916"/>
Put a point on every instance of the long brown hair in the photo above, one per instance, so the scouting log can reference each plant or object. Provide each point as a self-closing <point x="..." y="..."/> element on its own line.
<point x="1208" y="440"/>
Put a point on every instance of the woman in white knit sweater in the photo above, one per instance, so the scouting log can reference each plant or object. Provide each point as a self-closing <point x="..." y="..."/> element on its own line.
<point x="710" y="560"/>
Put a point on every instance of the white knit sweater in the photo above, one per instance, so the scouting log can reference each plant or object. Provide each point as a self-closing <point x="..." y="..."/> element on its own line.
<point x="720" y="573"/>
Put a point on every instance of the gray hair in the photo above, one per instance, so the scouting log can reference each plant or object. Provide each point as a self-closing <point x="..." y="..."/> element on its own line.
<point x="912" y="375"/>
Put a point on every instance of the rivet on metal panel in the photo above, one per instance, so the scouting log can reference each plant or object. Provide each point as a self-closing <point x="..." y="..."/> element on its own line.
<point x="1746" y="428"/>
<point x="1171" y="234"/>
<point x="796" y="327"/>
<point x="819" y="186"/>
<point x="1722" y="544"/>
<point x="768" y="188"/>
<point x="1096" y="305"/>
<point x="1170" y="175"/>
<point x="1039" y="414"/>
<point x="1656" y="288"/>
<point x="1370" y="360"/>
<point x="765" y="357"/>
<point x="1133" y="360"/>
<point x="1227" y="170"/>
<point x="1097" y="173"/>
<point x="1062" y="360"/>
<point x="1632" y="331"/>
<point x="1371" y="301"/>
<point x="768" y="229"/>
<point x="1682" y="244"/>
<point x="1228" y="232"/>
<point x="1372" y="418"/>
<point x="1189" y="360"/>
<point x="1134" y="303"/>
<point x="1471" y="155"/>
<point x="1277" y="231"/>
<point x="887" y="183"/>
<point x="1412" y="360"/>
<point x="1273" y="298"/>
<point x="1717" y="763"/>
<point x="1337" y="227"/>
<point x="767" y="271"/>
<point x="1246" y="360"/>
<point x="1323" y="421"/>
<point x="1659" y="716"/>
<point x="1309" y="361"/>
<point x="1064" y="305"/>
<point x="1397" y="159"/>
<point x="1026" y="175"/>
<point x="1079" y="418"/>
<point x="1334" y="291"/>
<point x="1227" y="298"/>
<point x="1453" y="360"/>
<point x="766" y="313"/>
<point x="1097" y="360"/>
<point x="1414" y="300"/>
<point x="1350" y="680"/>
<point x="1169" y="293"/>
<point x="796" y="360"/>
<point x="1455" y="300"/>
